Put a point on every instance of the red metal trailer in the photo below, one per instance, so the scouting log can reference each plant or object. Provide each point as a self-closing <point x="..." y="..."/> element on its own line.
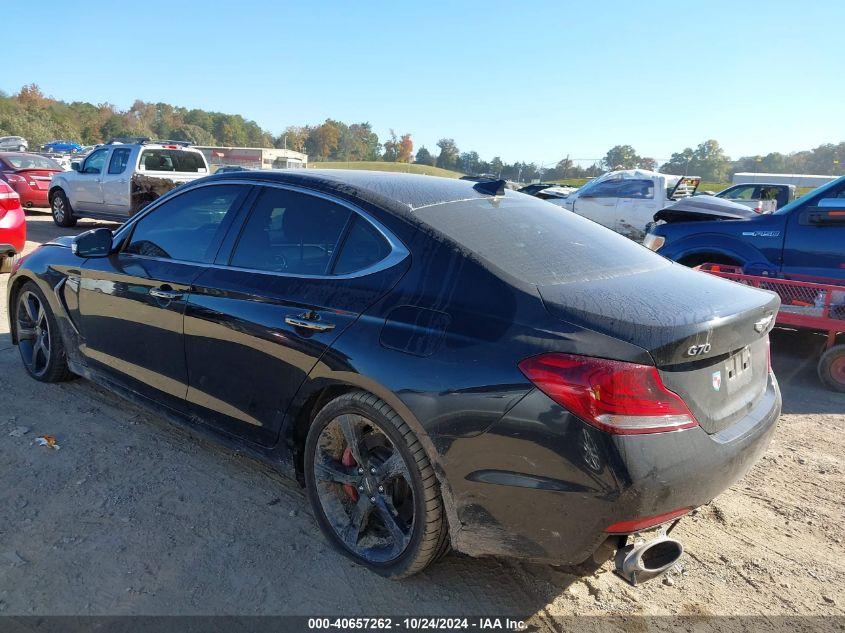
<point x="806" y="303"/>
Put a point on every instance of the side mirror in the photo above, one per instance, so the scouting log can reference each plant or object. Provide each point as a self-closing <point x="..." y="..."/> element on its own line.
<point x="827" y="211"/>
<point x="93" y="243"/>
<point x="75" y="165"/>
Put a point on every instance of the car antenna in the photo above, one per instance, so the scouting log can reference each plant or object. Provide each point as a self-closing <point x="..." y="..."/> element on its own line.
<point x="490" y="187"/>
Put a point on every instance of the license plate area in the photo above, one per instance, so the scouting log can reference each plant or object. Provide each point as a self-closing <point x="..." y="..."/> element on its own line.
<point x="738" y="370"/>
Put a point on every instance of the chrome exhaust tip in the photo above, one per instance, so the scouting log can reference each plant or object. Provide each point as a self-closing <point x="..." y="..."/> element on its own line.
<point x="640" y="562"/>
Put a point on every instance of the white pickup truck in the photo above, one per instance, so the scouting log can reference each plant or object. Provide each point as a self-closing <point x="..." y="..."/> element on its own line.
<point x="627" y="200"/>
<point x="117" y="180"/>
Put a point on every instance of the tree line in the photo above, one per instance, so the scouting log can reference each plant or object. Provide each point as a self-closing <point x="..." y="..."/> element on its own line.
<point x="38" y="118"/>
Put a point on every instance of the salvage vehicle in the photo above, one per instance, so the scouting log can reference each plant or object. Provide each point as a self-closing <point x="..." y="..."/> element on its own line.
<point x="761" y="197"/>
<point x="626" y="200"/>
<point x="117" y="180"/>
<point x="437" y="361"/>
<point x="12" y="226"/>
<point x="13" y="144"/>
<point x="29" y="175"/>
<point x="805" y="237"/>
<point x="546" y="190"/>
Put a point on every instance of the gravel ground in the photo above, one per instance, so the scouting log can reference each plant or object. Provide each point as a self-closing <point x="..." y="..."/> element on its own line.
<point x="135" y="516"/>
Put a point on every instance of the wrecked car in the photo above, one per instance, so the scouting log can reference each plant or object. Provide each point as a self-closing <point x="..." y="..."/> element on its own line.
<point x="117" y="180"/>
<point x="805" y="237"/>
<point x="439" y="362"/>
<point x="626" y="200"/>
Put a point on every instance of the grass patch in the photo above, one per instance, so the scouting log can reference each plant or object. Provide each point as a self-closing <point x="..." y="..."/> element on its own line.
<point x="377" y="165"/>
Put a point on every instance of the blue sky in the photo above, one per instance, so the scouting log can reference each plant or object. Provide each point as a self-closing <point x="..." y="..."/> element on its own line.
<point x="525" y="81"/>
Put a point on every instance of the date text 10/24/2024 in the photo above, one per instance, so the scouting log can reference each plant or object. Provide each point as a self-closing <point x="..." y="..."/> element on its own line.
<point x="418" y="624"/>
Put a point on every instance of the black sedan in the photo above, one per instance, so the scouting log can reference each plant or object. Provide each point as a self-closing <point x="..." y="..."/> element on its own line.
<point x="439" y="362"/>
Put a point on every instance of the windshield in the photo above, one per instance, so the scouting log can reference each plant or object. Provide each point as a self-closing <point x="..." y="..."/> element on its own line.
<point x="814" y="196"/>
<point x="32" y="161"/>
<point x="538" y="242"/>
<point x="172" y="160"/>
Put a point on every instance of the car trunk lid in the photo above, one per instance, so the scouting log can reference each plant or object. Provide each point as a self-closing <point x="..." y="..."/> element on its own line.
<point x="707" y="337"/>
<point x="38" y="178"/>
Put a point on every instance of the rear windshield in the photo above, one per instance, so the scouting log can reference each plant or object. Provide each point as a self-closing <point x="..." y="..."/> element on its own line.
<point x="32" y="161"/>
<point x="172" y="160"/>
<point x="538" y="242"/>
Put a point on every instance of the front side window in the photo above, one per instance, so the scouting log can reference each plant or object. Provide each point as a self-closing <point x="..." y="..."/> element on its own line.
<point x="741" y="193"/>
<point x="119" y="160"/>
<point x="187" y="227"/>
<point x="290" y="232"/>
<point x="94" y="163"/>
<point x="606" y="189"/>
<point x="637" y="189"/>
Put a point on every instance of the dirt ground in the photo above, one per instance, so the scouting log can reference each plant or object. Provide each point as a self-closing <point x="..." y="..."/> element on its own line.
<point x="134" y="516"/>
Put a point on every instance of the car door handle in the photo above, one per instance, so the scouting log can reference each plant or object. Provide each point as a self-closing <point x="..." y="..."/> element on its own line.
<point x="165" y="294"/>
<point x="309" y="321"/>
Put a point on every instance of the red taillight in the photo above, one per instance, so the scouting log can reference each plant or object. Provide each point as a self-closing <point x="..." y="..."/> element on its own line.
<point x="644" y="523"/>
<point x="9" y="199"/>
<point x="614" y="396"/>
<point x="15" y="178"/>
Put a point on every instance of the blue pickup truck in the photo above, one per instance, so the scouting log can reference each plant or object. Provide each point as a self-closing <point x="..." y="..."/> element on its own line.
<point x="805" y="237"/>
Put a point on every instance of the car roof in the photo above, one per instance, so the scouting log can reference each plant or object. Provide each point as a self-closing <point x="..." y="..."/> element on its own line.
<point x="405" y="191"/>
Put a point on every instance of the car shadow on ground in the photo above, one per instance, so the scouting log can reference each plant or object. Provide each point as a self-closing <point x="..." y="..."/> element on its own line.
<point x="41" y="231"/>
<point x="795" y="357"/>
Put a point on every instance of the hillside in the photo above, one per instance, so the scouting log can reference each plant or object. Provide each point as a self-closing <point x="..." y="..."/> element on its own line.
<point x="378" y="165"/>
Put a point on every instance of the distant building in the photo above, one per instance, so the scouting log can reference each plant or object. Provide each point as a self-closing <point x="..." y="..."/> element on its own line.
<point x="799" y="180"/>
<point x="253" y="157"/>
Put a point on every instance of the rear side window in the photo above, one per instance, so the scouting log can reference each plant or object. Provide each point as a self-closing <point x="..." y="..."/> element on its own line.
<point x="119" y="159"/>
<point x="363" y="247"/>
<point x="30" y="161"/>
<point x="538" y="242"/>
<point x="172" y="160"/>
<point x="188" y="227"/>
<point x="290" y="232"/>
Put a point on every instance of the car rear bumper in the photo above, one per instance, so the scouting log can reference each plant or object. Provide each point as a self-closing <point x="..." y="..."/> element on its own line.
<point x="30" y="196"/>
<point x="541" y="484"/>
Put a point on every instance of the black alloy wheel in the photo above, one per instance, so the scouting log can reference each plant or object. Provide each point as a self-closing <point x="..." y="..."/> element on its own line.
<point x="39" y="343"/>
<point x="372" y="489"/>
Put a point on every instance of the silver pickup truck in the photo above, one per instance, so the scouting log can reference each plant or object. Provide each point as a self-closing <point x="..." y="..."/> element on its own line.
<point x="117" y="180"/>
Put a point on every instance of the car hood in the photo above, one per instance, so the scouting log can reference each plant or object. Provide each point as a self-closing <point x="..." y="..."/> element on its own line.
<point x="62" y="240"/>
<point x="698" y="208"/>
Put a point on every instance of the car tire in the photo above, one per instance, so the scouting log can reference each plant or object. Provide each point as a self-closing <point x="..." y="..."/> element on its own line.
<point x="398" y="547"/>
<point x="832" y="368"/>
<point x="61" y="210"/>
<point x="34" y="330"/>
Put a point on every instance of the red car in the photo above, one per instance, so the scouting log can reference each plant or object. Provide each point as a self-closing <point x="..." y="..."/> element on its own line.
<point x="12" y="225"/>
<point x="29" y="175"/>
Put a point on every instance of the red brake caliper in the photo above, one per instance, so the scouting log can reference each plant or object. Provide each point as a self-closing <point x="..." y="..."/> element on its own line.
<point x="347" y="460"/>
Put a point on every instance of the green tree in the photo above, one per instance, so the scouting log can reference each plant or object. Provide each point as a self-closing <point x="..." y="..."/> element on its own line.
<point x="391" y="148"/>
<point x="621" y="157"/>
<point x="708" y="161"/>
<point x="449" y="153"/>
<point x="424" y="157"/>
